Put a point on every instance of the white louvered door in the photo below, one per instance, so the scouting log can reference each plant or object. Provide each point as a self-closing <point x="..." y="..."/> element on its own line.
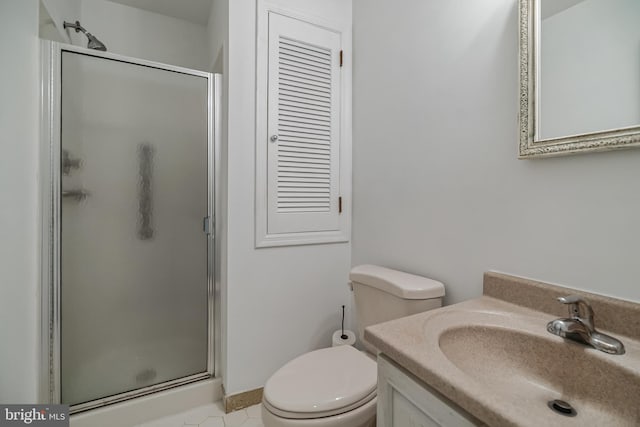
<point x="303" y="127"/>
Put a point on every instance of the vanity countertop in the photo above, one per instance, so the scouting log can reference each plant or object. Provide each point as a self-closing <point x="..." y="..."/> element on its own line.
<point x="494" y="358"/>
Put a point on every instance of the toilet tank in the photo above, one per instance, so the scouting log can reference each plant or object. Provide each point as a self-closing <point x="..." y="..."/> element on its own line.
<point x="383" y="294"/>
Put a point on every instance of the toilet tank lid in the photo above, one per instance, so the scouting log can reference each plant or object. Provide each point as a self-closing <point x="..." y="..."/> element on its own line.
<point x="398" y="283"/>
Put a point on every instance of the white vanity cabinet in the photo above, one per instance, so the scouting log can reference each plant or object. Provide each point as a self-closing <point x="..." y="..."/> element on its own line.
<point x="405" y="401"/>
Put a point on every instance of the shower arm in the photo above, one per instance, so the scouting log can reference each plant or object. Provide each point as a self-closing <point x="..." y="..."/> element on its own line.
<point x="75" y="26"/>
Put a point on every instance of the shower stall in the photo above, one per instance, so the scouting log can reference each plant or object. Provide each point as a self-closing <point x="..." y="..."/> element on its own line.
<point x="128" y="171"/>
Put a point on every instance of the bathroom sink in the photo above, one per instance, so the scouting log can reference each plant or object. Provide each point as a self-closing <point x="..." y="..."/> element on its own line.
<point x="494" y="360"/>
<point x="520" y="366"/>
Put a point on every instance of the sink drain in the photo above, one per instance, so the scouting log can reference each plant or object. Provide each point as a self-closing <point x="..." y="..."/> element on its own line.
<point x="561" y="407"/>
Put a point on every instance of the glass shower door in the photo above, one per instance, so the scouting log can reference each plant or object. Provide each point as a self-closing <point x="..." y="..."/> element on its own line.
<point x="134" y="192"/>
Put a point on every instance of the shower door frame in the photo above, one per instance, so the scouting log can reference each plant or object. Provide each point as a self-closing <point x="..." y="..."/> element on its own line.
<point x="50" y="214"/>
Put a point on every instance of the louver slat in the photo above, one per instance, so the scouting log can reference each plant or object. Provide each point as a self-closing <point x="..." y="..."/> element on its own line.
<point x="305" y="127"/>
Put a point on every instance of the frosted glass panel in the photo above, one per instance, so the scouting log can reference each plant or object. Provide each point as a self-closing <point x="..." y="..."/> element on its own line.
<point x="134" y="254"/>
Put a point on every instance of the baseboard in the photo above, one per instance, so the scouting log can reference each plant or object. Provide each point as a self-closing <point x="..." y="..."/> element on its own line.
<point x="242" y="400"/>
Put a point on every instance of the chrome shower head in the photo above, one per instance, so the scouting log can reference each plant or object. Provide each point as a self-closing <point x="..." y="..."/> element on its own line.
<point x="93" y="42"/>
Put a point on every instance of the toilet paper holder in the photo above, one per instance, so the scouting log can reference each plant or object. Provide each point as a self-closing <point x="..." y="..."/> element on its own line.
<point x="343" y="336"/>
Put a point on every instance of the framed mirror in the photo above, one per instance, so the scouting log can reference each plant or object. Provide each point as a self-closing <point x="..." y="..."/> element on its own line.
<point x="579" y="76"/>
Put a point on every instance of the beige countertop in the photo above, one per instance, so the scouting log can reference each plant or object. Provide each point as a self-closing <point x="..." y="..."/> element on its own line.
<point x="496" y="360"/>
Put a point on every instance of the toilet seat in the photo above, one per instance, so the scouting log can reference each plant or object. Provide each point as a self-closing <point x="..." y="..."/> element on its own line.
<point x="323" y="414"/>
<point x="322" y="383"/>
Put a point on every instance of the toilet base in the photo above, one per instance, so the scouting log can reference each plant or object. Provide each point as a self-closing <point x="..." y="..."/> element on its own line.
<point x="363" y="416"/>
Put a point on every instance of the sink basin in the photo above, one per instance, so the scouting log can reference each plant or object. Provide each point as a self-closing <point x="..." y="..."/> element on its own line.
<point x="524" y="368"/>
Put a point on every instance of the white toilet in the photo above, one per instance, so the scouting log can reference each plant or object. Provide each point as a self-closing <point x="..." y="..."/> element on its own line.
<point x="336" y="386"/>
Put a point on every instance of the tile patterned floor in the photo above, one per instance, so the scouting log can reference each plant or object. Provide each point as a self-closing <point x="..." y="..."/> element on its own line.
<point x="211" y="416"/>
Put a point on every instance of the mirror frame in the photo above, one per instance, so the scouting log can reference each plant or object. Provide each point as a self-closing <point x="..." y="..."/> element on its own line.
<point x="532" y="147"/>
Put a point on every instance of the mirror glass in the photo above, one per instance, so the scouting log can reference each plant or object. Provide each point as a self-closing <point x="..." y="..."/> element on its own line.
<point x="588" y="67"/>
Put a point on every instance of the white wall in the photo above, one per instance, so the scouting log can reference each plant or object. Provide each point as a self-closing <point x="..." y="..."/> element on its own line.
<point x="281" y="302"/>
<point x="135" y="32"/>
<point x="218" y="34"/>
<point x="19" y="307"/>
<point x="438" y="188"/>
<point x="589" y="68"/>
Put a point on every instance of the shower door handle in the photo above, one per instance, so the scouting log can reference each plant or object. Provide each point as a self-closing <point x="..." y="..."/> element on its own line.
<point x="206" y="225"/>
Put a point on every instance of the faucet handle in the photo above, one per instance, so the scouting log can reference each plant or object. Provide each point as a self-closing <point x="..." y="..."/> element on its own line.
<point x="575" y="302"/>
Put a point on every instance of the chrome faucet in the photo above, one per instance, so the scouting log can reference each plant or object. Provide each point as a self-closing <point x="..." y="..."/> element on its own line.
<point x="579" y="327"/>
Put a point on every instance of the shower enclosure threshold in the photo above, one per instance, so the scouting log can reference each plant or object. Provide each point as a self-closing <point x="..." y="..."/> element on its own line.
<point x="87" y="406"/>
<point x="149" y="407"/>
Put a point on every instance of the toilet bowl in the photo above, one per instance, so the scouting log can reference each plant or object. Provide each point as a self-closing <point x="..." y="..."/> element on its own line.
<point x="336" y="386"/>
